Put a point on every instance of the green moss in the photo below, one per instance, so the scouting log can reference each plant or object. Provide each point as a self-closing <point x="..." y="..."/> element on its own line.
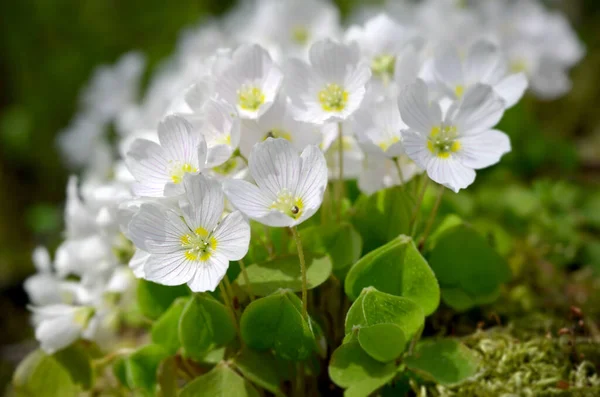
<point x="538" y="366"/>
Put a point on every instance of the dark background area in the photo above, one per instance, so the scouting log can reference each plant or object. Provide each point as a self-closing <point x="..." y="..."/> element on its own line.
<point x="49" y="48"/>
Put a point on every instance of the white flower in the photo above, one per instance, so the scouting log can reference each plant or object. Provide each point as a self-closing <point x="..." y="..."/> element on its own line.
<point x="290" y="186"/>
<point x="159" y="168"/>
<point x="59" y="325"/>
<point x="484" y="63"/>
<point x="381" y="40"/>
<point x="190" y="244"/>
<point x="221" y="130"/>
<point x="352" y="153"/>
<point x="278" y="122"/>
<point x="250" y="82"/>
<point x="379" y="172"/>
<point x="332" y="87"/>
<point x="379" y="129"/>
<point x="450" y="148"/>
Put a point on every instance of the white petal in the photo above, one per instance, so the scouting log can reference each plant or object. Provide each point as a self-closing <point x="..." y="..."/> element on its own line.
<point x="332" y="60"/>
<point x="138" y="261"/>
<point x="485" y="149"/>
<point x="479" y="110"/>
<point x="41" y="259"/>
<point x="450" y="172"/>
<point x="275" y="166"/>
<point x="415" y="146"/>
<point x="170" y="269"/>
<point x="313" y="179"/>
<point x="415" y="110"/>
<point x="512" y="88"/>
<point x="407" y="67"/>
<point x="176" y="137"/>
<point x="148" y="163"/>
<point x="233" y="236"/>
<point x="205" y="202"/>
<point x="209" y="274"/>
<point x="155" y="229"/>
<point x="484" y="63"/>
<point x="448" y="66"/>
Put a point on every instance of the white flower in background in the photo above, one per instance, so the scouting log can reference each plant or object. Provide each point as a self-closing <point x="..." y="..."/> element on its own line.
<point x="112" y="88"/>
<point x="43" y="287"/>
<point x="352" y="153"/>
<point x="191" y="244"/>
<point x="381" y="40"/>
<point x="289" y="187"/>
<point x="450" y="148"/>
<point x="332" y="87"/>
<point x="484" y="63"/>
<point x="221" y="130"/>
<point x="278" y="122"/>
<point x="379" y="172"/>
<point x="379" y="128"/>
<point x="293" y="24"/>
<point x="250" y="82"/>
<point x="159" y="168"/>
<point x="59" y="325"/>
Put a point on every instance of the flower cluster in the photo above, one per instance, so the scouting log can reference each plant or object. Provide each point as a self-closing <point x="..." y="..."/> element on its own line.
<point x="251" y="120"/>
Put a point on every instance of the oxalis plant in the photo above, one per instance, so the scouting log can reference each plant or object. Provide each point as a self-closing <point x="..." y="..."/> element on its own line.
<point x="260" y="227"/>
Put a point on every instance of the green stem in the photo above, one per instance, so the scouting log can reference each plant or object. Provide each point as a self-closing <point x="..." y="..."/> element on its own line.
<point x="415" y="212"/>
<point x="432" y="215"/>
<point x="302" y="271"/>
<point x="246" y="279"/>
<point x="400" y="174"/>
<point x="340" y="181"/>
<point x="300" y="379"/>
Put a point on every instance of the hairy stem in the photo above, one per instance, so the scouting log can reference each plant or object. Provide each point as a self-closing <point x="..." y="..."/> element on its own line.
<point x="340" y="181"/>
<point x="246" y="279"/>
<point x="302" y="271"/>
<point x="432" y="215"/>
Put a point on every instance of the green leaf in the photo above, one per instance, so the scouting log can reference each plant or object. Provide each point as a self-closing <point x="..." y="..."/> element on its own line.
<point x="284" y="272"/>
<point x="465" y="263"/>
<point x="383" y="342"/>
<point x="341" y="242"/>
<point x="76" y="360"/>
<point x="354" y="370"/>
<point x="221" y="381"/>
<point x="164" y="330"/>
<point x="205" y="325"/>
<point x="154" y="299"/>
<point x="376" y="307"/>
<point x="444" y="361"/>
<point x="40" y="375"/>
<point x="259" y="368"/>
<point x="142" y="365"/>
<point x="276" y="322"/>
<point x="382" y="216"/>
<point x="396" y="268"/>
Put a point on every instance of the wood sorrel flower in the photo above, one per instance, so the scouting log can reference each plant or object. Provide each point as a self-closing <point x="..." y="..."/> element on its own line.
<point x="190" y="243"/>
<point x="289" y="187"/>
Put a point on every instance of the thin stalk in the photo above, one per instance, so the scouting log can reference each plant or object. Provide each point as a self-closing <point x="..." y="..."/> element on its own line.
<point x="400" y="174"/>
<point x="300" y="379"/>
<point x="415" y="212"/>
<point x="340" y="181"/>
<point x="432" y="215"/>
<point x="229" y="289"/>
<point x="246" y="279"/>
<point x="269" y="242"/>
<point x="227" y="301"/>
<point x="302" y="271"/>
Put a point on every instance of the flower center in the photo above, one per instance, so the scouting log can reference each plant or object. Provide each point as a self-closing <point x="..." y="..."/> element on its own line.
<point x="385" y="145"/>
<point x="333" y="98"/>
<point x="300" y="34"/>
<point x="443" y="141"/>
<point x="288" y="204"/>
<point x="383" y="65"/>
<point x="179" y="169"/>
<point x="83" y="315"/>
<point x="199" y="245"/>
<point x="227" y="167"/>
<point x="250" y="97"/>
<point x="278" y="133"/>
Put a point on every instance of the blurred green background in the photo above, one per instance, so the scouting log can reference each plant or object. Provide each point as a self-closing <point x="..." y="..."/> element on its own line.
<point x="48" y="49"/>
